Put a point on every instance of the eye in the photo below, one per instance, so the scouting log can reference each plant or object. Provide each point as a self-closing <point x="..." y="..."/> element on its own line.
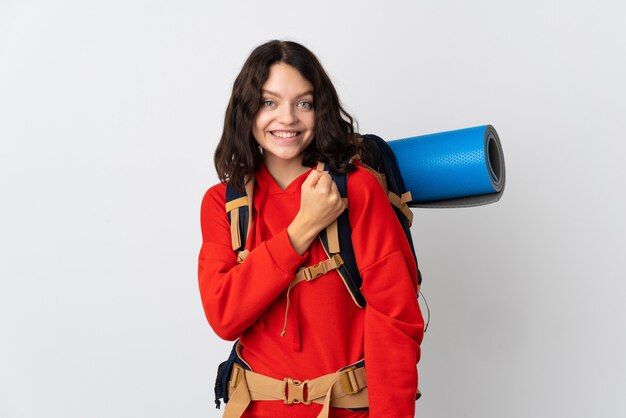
<point x="306" y="104"/>
<point x="267" y="103"/>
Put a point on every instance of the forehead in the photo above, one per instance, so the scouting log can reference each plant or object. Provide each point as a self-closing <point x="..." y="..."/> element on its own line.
<point x="285" y="81"/>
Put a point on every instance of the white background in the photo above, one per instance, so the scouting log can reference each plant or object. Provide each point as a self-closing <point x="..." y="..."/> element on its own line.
<point x="109" y="116"/>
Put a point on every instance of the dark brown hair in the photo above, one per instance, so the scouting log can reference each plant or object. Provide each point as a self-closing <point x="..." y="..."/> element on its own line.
<point x="238" y="155"/>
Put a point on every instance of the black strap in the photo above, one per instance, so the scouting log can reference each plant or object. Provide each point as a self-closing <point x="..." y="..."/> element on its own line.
<point x="232" y="194"/>
<point x="349" y="271"/>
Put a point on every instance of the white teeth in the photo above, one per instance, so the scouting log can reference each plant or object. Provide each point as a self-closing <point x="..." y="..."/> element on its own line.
<point x="284" y="134"/>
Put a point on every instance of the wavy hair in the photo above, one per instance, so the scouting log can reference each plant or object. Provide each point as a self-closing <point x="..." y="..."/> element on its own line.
<point x="237" y="155"/>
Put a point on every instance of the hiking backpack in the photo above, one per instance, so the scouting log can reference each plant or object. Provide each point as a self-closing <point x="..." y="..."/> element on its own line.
<point x="336" y="238"/>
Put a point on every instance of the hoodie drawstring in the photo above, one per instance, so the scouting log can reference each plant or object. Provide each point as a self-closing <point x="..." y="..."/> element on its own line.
<point x="308" y="274"/>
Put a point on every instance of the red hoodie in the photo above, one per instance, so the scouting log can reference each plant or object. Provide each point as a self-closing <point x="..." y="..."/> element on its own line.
<point x="326" y="330"/>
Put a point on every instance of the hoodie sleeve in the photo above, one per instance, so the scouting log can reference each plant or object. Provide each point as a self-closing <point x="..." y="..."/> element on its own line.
<point x="394" y="325"/>
<point x="234" y="295"/>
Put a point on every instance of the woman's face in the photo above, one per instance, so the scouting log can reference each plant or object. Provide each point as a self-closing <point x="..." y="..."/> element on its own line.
<point x="285" y="123"/>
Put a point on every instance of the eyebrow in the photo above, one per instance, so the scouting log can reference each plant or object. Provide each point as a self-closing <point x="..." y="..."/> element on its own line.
<point x="308" y="92"/>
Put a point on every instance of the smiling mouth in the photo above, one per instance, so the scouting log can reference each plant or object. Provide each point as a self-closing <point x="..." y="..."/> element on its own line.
<point x="285" y="134"/>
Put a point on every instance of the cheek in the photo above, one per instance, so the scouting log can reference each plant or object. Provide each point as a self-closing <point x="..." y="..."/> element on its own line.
<point x="310" y="121"/>
<point x="258" y="125"/>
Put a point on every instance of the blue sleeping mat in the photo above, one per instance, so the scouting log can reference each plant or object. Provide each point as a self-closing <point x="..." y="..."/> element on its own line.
<point x="457" y="168"/>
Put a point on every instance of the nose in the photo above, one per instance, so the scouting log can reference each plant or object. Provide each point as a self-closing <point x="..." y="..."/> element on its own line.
<point x="287" y="115"/>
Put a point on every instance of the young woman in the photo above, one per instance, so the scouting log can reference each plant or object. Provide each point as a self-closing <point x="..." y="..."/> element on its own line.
<point x="283" y="118"/>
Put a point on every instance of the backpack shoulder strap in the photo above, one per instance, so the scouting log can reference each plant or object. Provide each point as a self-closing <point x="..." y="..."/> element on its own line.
<point x="239" y="212"/>
<point x="382" y="163"/>
<point x="341" y="229"/>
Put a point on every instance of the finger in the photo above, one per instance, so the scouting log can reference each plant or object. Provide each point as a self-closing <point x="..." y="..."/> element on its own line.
<point x="312" y="179"/>
<point x="324" y="182"/>
<point x="333" y="188"/>
<point x="323" y="173"/>
<point x="335" y="191"/>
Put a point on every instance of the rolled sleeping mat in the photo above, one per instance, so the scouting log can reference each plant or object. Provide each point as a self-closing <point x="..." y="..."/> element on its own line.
<point x="452" y="169"/>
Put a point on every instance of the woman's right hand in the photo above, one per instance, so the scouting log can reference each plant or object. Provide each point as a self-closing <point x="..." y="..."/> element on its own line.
<point x="320" y="205"/>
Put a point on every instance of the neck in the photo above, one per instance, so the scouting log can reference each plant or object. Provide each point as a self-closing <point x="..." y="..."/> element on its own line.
<point x="284" y="172"/>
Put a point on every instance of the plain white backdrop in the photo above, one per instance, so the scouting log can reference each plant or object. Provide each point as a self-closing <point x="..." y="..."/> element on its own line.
<point x="109" y="116"/>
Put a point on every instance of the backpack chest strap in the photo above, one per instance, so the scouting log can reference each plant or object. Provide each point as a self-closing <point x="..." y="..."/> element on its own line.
<point x="313" y="272"/>
<point x="308" y="274"/>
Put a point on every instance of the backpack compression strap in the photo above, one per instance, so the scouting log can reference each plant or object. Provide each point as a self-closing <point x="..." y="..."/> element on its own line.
<point x="401" y="202"/>
<point x="386" y="163"/>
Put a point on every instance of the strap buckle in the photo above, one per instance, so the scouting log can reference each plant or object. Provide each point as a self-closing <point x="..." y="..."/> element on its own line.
<point x="348" y="381"/>
<point x="236" y="376"/>
<point x="321" y="268"/>
<point x="338" y="260"/>
<point x="296" y="392"/>
<point x="314" y="271"/>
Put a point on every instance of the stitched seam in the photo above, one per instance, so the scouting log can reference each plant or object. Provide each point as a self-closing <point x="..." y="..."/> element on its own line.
<point x="380" y="260"/>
